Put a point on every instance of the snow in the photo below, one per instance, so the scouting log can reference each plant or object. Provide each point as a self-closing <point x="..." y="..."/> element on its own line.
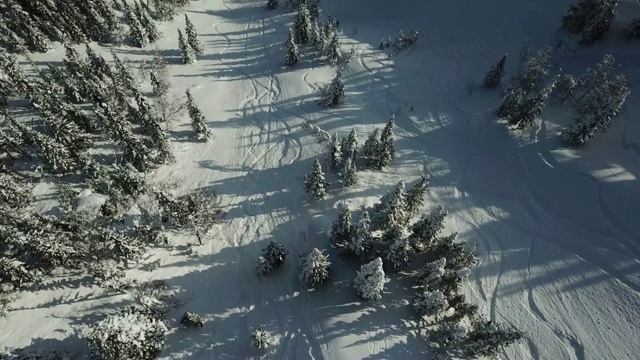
<point x="556" y="228"/>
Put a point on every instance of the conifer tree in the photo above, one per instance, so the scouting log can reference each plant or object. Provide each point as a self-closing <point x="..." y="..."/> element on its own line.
<point x="350" y="146"/>
<point x="531" y="108"/>
<point x="188" y="55"/>
<point x="495" y="74"/>
<point x="424" y="231"/>
<point x="362" y="240"/>
<point x="342" y="230"/>
<point x="137" y="33"/>
<point x="372" y="145"/>
<point x="302" y="25"/>
<point x="390" y="209"/>
<point x="313" y="9"/>
<point x="56" y="157"/>
<point x="349" y="173"/>
<point x="292" y="54"/>
<point x="511" y="102"/>
<point x="314" y="34"/>
<point x="333" y="94"/>
<point x="315" y="183"/>
<point x="198" y="121"/>
<point x="123" y="76"/>
<point x="153" y="34"/>
<point x="387" y="151"/>
<point x="534" y="70"/>
<point x="415" y="197"/>
<point x="192" y="37"/>
<point x="315" y="268"/>
<point x="632" y="32"/>
<point x="369" y="281"/>
<point x="160" y="84"/>
<point x="158" y="136"/>
<point x="272" y="4"/>
<point x="274" y="256"/>
<point x="333" y="50"/>
<point x="335" y="154"/>
<point x="400" y="253"/>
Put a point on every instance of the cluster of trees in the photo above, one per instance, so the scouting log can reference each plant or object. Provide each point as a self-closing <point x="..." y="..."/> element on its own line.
<point x="88" y="101"/>
<point x="592" y="19"/>
<point x="30" y="25"/>
<point x="401" y="41"/>
<point x="597" y="96"/>
<point x="378" y="152"/>
<point x="323" y="37"/>
<point x="191" y="48"/>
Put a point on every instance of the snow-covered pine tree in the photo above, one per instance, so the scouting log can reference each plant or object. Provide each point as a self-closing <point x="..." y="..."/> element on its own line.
<point x="191" y="319"/>
<point x="153" y="34"/>
<point x="387" y="149"/>
<point x="159" y="137"/>
<point x="427" y="303"/>
<point x="531" y="108"/>
<point x="188" y="55"/>
<point x="163" y="10"/>
<point x="315" y="268"/>
<point x="487" y="338"/>
<point x="273" y="257"/>
<point x="534" y="70"/>
<point x="123" y="76"/>
<point x="632" y="32"/>
<point x="321" y="42"/>
<point x="598" y="26"/>
<point x="14" y="43"/>
<point x="334" y="54"/>
<point x="328" y="29"/>
<point x="349" y="173"/>
<point x="16" y="81"/>
<point x="302" y="25"/>
<point x="272" y="4"/>
<point x="160" y="84"/>
<point x="137" y="153"/>
<point x="369" y="281"/>
<point x="372" y="145"/>
<point x="362" y="239"/>
<point x="56" y="157"/>
<point x="335" y="154"/>
<point x="415" y="197"/>
<point x="342" y="230"/>
<point x="350" y="145"/>
<point x="291" y="52"/>
<point x="333" y="94"/>
<point x="596" y="111"/>
<point x="495" y="74"/>
<point x="261" y="338"/>
<point x="137" y="34"/>
<point x="525" y="52"/>
<point x="198" y="121"/>
<point x="390" y="209"/>
<point x="129" y="180"/>
<point x="315" y="183"/>
<point x="399" y="254"/>
<point x="425" y="230"/>
<point x="566" y="84"/>
<point x="511" y="102"/>
<point x="27" y="29"/>
<point x="314" y="34"/>
<point x="313" y="9"/>
<point x="192" y="37"/>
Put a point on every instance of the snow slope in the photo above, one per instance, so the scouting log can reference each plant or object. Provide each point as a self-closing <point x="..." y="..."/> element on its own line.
<point x="556" y="228"/>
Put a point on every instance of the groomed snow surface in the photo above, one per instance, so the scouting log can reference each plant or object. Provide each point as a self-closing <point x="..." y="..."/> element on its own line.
<point x="557" y="229"/>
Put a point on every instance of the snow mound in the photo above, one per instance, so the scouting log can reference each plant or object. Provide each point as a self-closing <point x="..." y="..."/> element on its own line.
<point x="90" y="202"/>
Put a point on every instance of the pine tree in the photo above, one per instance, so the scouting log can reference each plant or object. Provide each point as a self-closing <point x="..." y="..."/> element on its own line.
<point x="153" y="34"/>
<point x="273" y="257"/>
<point x="188" y="54"/>
<point x="427" y="303"/>
<point x="314" y="35"/>
<point x="369" y="281"/>
<point x="387" y="149"/>
<point x="315" y="268"/>
<point x="495" y="74"/>
<point x="399" y="253"/>
<point x="160" y="84"/>
<point x="302" y="25"/>
<point x="123" y="76"/>
<point x="424" y="231"/>
<point x="198" y="121"/>
<point x="333" y="94"/>
<point x="349" y="173"/>
<point x="415" y="197"/>
<point x="333" y="50"/>
<point x="137" y="34"/>
<point x="158" y="136"/>
<point x="632" y="32"/>
<point x="531" y="108"/>
<point x="272" y="4"/>
<point x="488" y="338"/>
<point x="56" y="157"/>
<point x="350" y="146"/>
<point x="565" y="87"/>
<point x="372" y="145"/>
<point x="534" y="70"/>
<point x="511" y="102"/>
<point x="335" y="154"/>
<point x="292" y="55"/>
<point x="313" y="9"/>
<point x="599" y="26"/>
<point x="342" y="230"/>
<point x="192" y="37"/>
<point x="362" y="239"/>
<point x="315" y="183"/>
<point x="390" y="209"/>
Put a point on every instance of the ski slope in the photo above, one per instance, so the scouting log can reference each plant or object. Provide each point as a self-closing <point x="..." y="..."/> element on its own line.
<point x="556" y="228"/>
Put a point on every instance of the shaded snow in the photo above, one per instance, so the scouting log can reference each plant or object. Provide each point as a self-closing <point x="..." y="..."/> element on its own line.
<point x="556" y="229"/>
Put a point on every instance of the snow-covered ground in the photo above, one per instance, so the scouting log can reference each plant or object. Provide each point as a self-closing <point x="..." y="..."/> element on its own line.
<point x="556" y="229"/>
